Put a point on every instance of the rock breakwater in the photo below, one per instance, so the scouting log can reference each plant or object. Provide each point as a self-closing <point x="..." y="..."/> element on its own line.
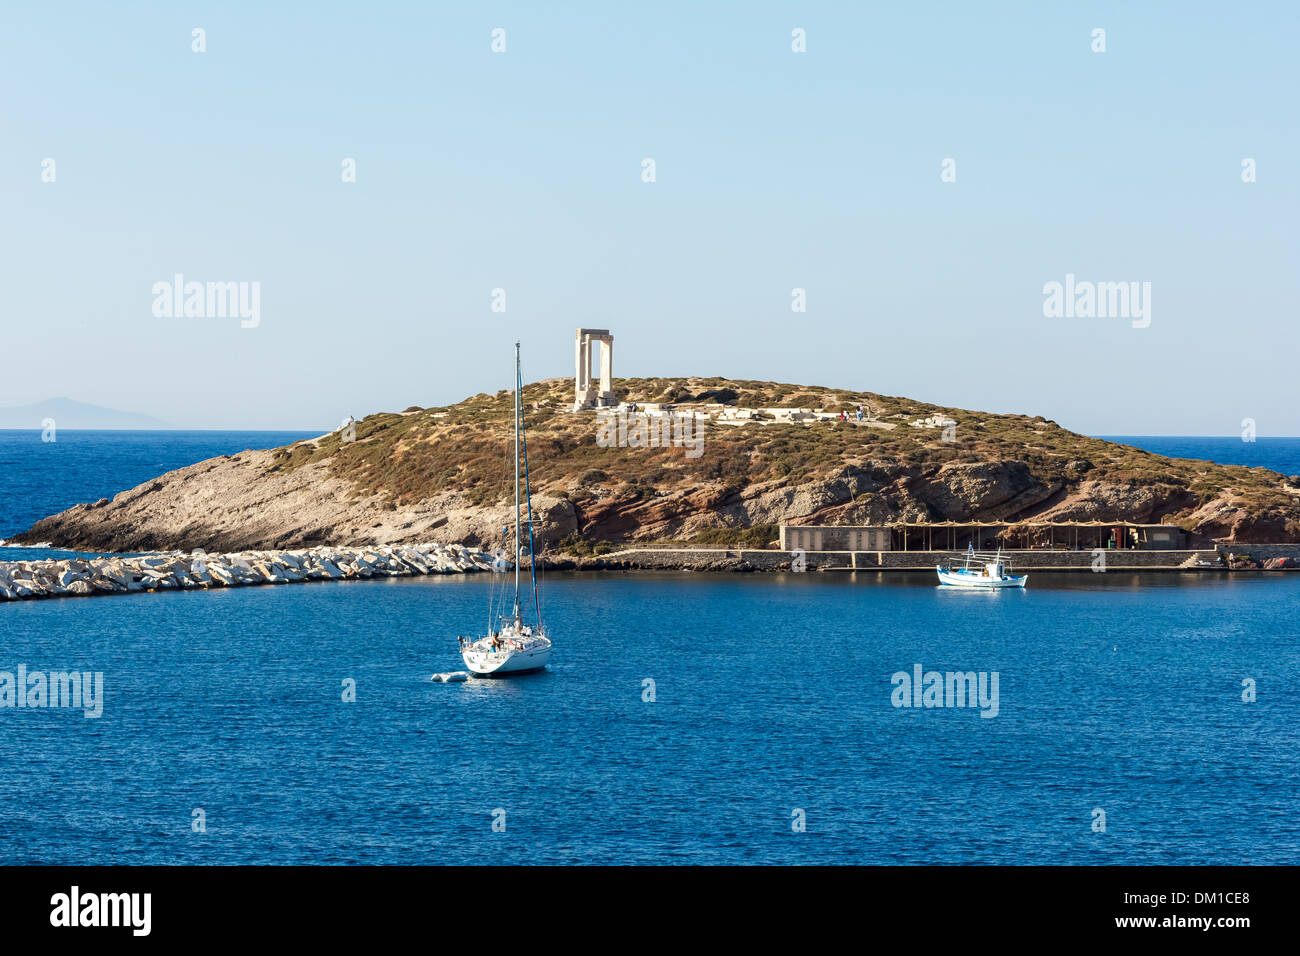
<point x="175" y="570"/>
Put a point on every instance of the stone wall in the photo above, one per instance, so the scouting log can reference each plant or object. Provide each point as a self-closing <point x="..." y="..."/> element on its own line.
<point x="735" y="559"/>
<point x="1263" y="552"/>
<point x="1030" y="560"/>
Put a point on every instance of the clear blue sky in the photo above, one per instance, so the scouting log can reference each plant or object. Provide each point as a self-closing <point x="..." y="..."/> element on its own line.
<point x="775" y="170"/>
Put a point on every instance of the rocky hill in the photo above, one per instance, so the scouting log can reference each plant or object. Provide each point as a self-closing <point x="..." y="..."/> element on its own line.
<point x="444" y="474"/>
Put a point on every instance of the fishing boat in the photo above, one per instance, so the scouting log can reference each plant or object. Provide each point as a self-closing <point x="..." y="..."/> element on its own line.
<point x="981" y="571"/>
<point x="513" y="646"/>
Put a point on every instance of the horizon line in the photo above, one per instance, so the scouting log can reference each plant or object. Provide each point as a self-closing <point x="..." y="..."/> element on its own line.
<point x="316" y="430"/>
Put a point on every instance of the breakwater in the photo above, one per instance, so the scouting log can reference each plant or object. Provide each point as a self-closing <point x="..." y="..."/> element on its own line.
<point x="746" y="559"/>
<point x="121" y="574"/>
<point x="175" y="570"/>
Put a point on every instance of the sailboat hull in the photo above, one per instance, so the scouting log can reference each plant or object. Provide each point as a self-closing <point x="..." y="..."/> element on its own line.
<point x="485" y="662"/>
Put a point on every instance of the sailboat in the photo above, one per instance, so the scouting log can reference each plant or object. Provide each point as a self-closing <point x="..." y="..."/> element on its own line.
<point x="514" y="646"/>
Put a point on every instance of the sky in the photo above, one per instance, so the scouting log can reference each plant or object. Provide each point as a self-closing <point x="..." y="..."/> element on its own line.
<point x="774" y="170"/>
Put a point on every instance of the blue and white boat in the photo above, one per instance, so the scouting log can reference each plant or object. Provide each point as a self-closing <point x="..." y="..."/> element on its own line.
<point x="981" y="571"/>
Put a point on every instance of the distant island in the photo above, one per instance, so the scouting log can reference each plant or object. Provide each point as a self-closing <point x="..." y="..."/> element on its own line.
<point x="67" y="413"/>
<point x="763" y="454"/>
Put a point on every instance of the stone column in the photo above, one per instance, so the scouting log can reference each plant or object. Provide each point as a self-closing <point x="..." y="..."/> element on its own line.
<point x="582" y="369"/>
<point x="579" y="366"/>
<point x="606" y="362"/>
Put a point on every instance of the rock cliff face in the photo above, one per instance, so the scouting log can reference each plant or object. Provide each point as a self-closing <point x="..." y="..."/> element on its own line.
<point x="235" y="504"/>
<point x="442" y="474"/>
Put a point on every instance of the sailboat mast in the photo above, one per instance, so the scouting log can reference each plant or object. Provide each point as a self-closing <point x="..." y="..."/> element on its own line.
<point x="518" y="401"/>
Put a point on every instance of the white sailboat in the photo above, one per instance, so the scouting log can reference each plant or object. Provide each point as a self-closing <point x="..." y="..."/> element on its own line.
<point x="981" y="571"/>
<point x="513" y="646"/>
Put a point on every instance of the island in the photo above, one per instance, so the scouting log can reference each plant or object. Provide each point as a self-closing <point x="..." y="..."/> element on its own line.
<point x="697" y="472"/>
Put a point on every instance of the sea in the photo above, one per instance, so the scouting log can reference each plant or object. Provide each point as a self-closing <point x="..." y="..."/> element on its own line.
<point x="1122" y="718"/>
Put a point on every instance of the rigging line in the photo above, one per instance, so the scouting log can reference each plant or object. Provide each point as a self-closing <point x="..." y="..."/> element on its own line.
<point x="528" y="498"/>
<point x="492" y="596"/>
<point x="497" y="585"/>
<point x="497" y="611"/>
<point x="518" y="417"/>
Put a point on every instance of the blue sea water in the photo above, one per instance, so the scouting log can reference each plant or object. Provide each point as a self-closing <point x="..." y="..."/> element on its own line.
<point x="1279" y="454"/>
<point x="772" y="694"/>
